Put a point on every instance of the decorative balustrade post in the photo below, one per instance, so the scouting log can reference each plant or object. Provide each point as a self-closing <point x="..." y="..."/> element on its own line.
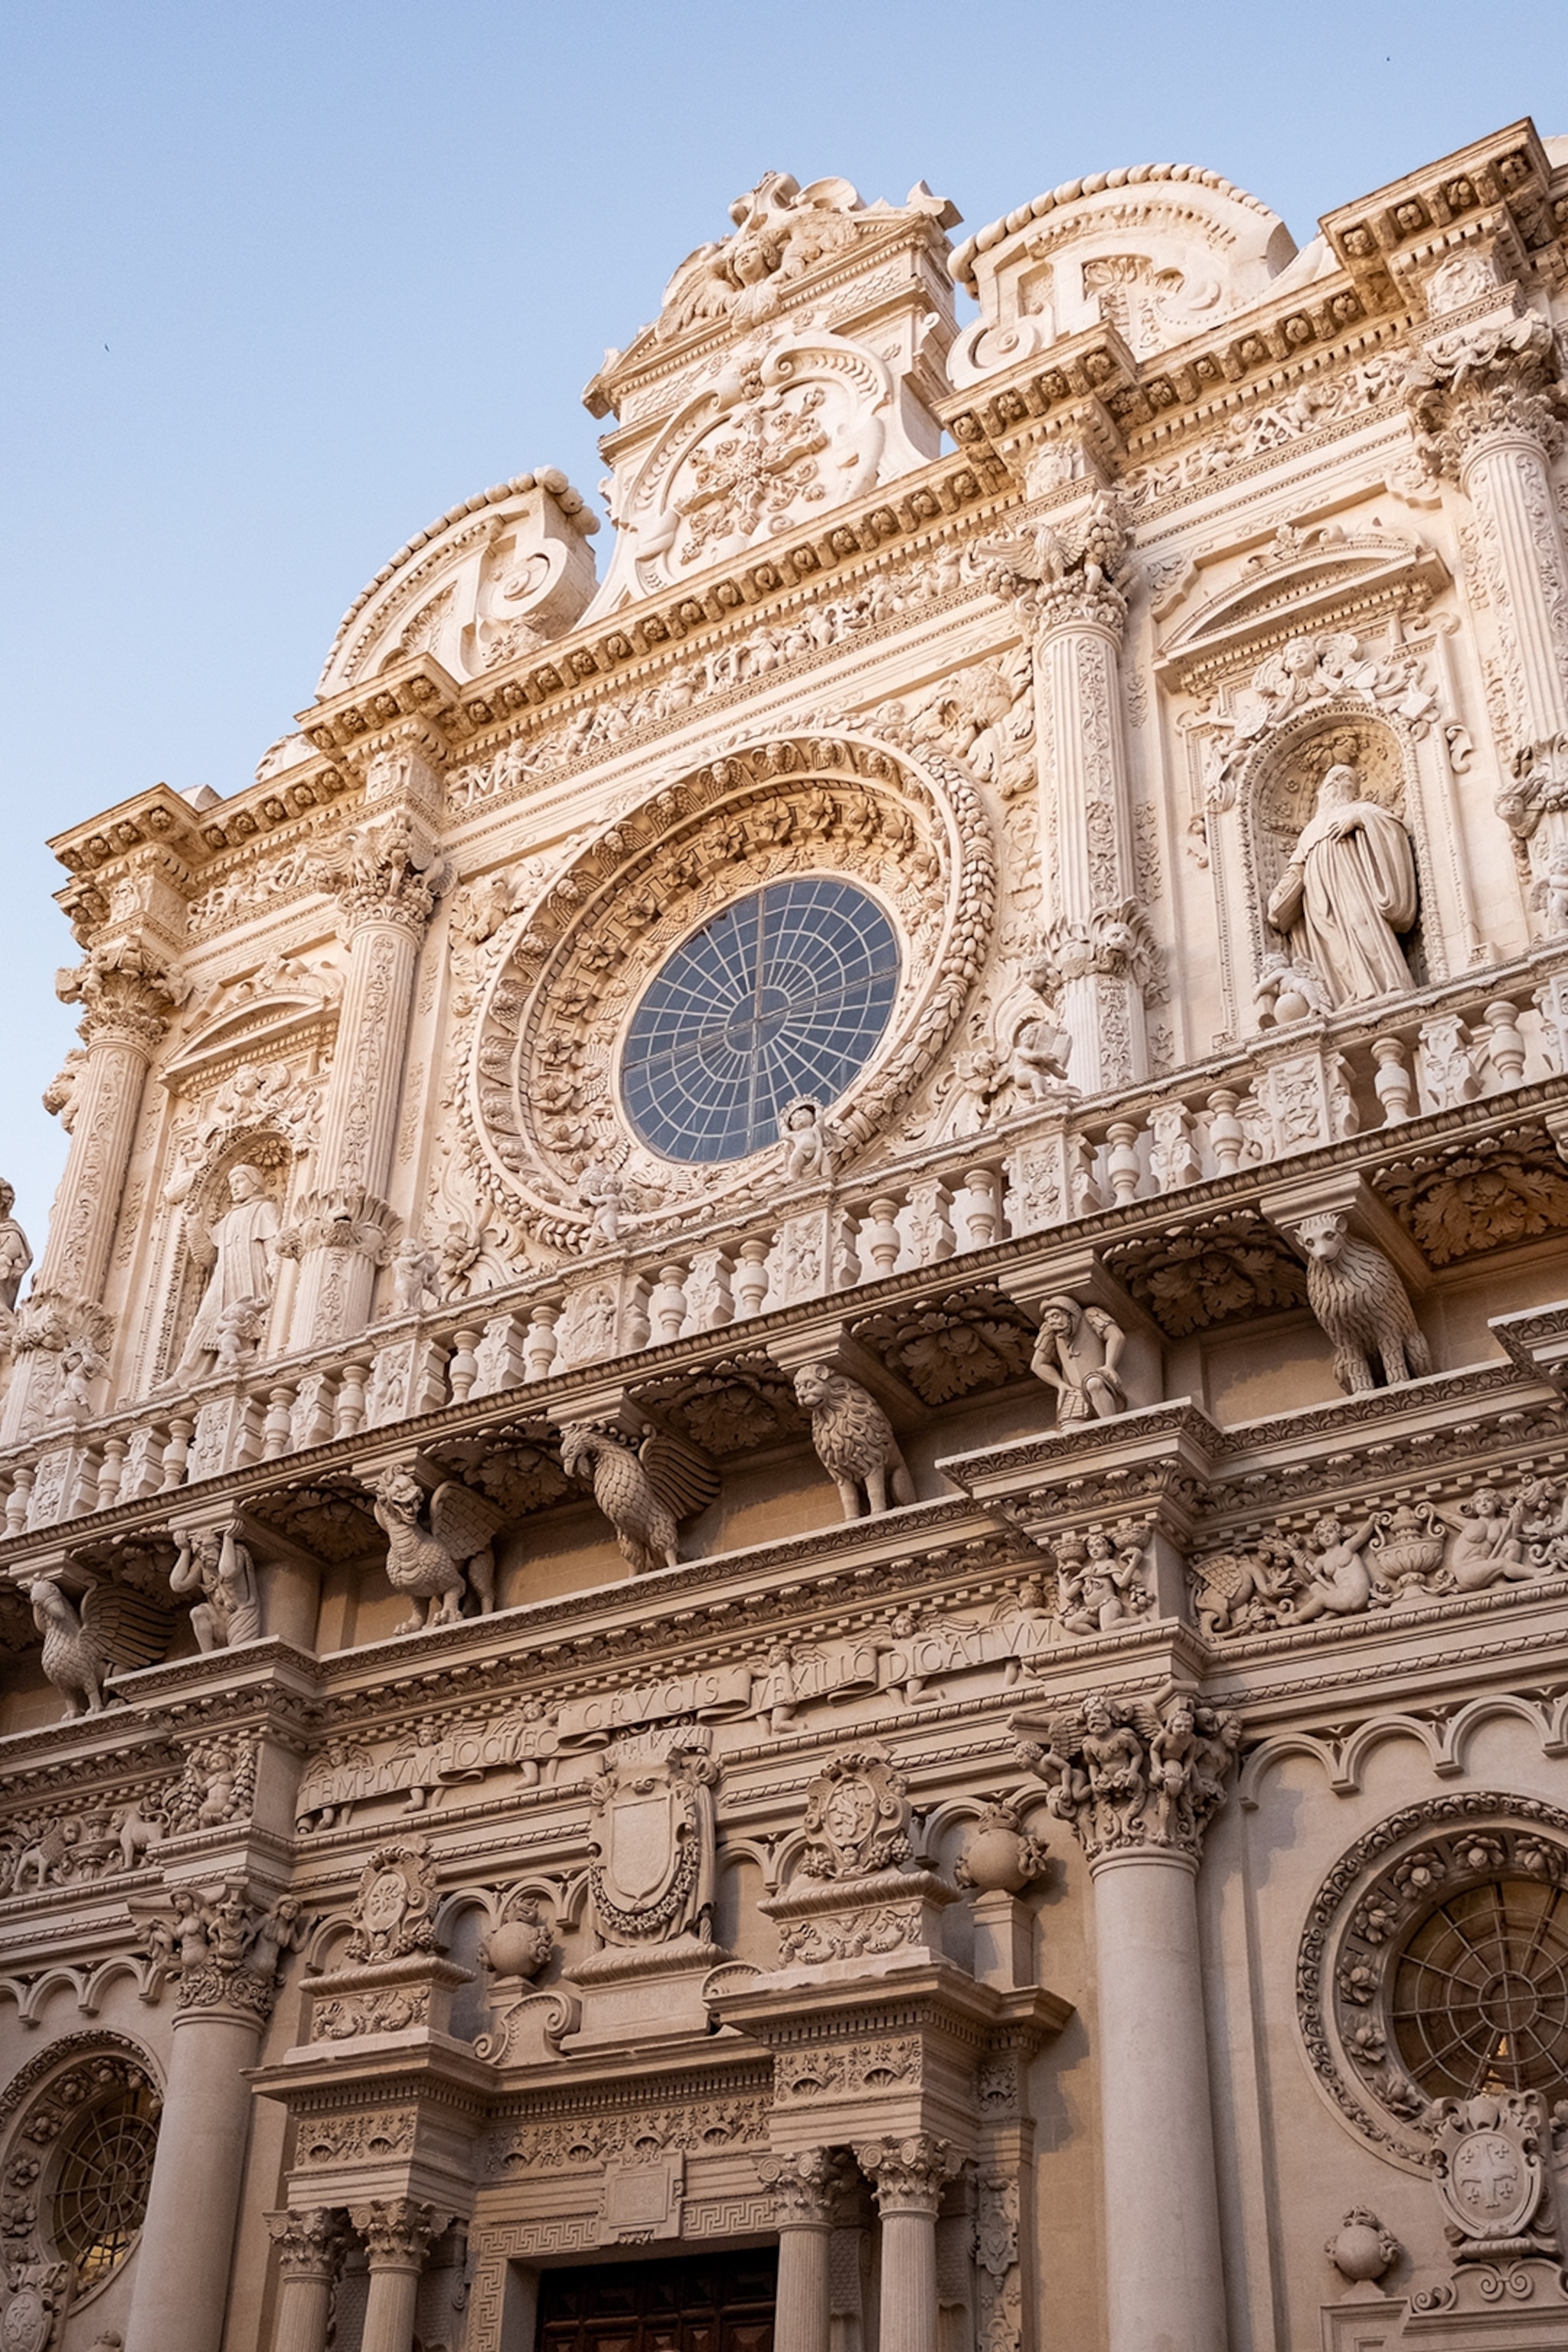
<point x="806" y="2192"/>
<point x="1099" y="939"/>
<point x="126" y="1000"/>
<point x="386" y="882"/>
<point x="310" y="2244"/>
<point x="227" y="1956"/>
<point x="397" y="2231"/>
<point x="909" y="2176"/>
<point x="1139" y="1787"/>
<point x="1488" y="414"/>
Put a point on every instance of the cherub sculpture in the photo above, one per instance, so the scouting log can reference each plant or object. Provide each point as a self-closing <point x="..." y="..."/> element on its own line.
<point x="807" y="1142"/>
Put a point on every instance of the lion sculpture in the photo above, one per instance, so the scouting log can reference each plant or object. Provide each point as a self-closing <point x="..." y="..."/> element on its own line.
<point x="1361" y="1303"/>
<point x="853" y="1441"/>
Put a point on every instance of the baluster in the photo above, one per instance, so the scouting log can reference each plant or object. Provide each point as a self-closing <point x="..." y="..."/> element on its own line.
<point x="1392" y="1083"/>
<point x="463" y="1369"/>
<point x="18" y="1500"/>
<point x="177" y="1453"/>
<point x="1504" y="1045"/>
<point x="278" y="1429"/>
<point x="979" y="1207"/>
<point x="752" y="1278"/>
<point x="1172" y="1156"/>
<point x="1123" y="1169"/>
<point x="111" y="1471"/>
<point x="540" y="1344"/>
<point x="709" y="1299"/>
<point x="930" y="1222"/>
<point x="348" y="1416"/>
<point x="666" y="1306"/>
<point x="879" y="1238"/>
<point x="1227" y="1137"/>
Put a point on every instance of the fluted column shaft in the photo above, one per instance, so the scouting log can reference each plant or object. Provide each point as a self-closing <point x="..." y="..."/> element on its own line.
<point x="1164" y="2273"/>
<point x="805" y="2188"/>
<point x="181" y="2288"/>
<point x="397" y="2236"/>
<point x="909" y="2176"/>
<point x="308" y="2243"/>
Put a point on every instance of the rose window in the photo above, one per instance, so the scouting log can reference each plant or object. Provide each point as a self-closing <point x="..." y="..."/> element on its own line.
<point x="105" y="2170"/>
<point x="785" y="994"/>
<point x="1480" y="1991"/>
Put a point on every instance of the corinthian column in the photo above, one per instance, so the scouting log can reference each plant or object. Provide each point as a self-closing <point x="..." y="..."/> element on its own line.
<point x="397" y="2231"/>
<point x="1487" y="412"/>
<point x="386" y="888"/>
<point x="1140" y="1788"/>
<point x="309" y="2243"/>
<point x="1063" y="584"/>
<point x="805" y="2189"/>
<point x="126" y="1001"/>
<point x="909" y="2177"/>
<point x="227" y="1960"/>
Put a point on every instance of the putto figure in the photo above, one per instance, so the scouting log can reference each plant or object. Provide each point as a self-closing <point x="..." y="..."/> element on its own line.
<point x="1347" y="893"/>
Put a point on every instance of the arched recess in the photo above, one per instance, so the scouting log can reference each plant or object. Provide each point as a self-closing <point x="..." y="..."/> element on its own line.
<point x="201" y="1196"/>
<point x="43" y="2110"/>
<point x="543" y="1098"/>
<point x="1275" y="794"/>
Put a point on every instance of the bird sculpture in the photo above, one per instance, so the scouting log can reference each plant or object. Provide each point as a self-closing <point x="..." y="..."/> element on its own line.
<point x="428" y="1561"/>
<point x="75" y="1660"/>
<point x="644" y="1488"/>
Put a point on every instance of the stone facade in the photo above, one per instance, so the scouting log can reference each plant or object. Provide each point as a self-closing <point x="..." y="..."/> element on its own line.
<point x="946" y="1655"/>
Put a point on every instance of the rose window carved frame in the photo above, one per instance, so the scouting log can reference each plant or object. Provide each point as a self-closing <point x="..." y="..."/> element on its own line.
<point x="542" y="1094"/>
<point x="1388" y="1885"/>
<point x="41" y="2111"/>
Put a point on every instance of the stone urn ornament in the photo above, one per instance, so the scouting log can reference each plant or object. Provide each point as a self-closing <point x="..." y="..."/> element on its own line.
<point x="1362" y="2250"/>
<point x="1000" y="1857"/>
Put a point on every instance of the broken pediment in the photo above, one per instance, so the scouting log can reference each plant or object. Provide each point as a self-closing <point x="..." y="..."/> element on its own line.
<point x="1160" y="252"/>
<point x="490" y="581"/>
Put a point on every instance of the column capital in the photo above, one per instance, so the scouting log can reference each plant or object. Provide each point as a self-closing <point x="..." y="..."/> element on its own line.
<point x="384" y="871"/>
<point x="909" y="2174"/>
<point x="126" y="994"/>
<point x="1483" y="386"/>
<point x="397" y="2231"/>
<point x="1063" y="574"/>
<point x="225" y="1951"/>
<point x="309" y="2241"/>
<point x="1133" y="1776"/>
<point x="805" y="2186"/>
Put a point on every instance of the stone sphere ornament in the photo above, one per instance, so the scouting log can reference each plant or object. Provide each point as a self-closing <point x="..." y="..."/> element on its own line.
<point x="999" y="1858"/>
<point x="1361" y="2249"/>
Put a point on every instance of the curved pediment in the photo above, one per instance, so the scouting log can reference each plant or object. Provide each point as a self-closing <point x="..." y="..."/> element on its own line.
<point x="1302" y="577"/>
<point x="252" y="1016"/>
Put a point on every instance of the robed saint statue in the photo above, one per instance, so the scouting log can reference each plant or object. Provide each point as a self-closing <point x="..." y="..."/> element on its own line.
<point x="1348" y="892"/>
<point x="238" y="1254"/>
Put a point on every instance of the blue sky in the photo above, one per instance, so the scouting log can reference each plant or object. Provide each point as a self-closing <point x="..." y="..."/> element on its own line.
<point x="280" y="283"/>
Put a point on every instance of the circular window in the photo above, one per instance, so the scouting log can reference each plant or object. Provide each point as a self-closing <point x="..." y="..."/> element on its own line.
<point x="1480" y="1991"/>
<point x="105" y="2170"/>
<point x="785" y="994"/>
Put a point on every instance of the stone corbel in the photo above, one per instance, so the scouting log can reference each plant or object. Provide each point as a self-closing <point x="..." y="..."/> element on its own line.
<point x="835" y="1345"/>
<point x="1343" y="1193"/>
<point x="1077" y="1271"/>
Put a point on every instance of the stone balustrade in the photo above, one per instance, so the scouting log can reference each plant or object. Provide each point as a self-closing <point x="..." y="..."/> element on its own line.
<point x="1289" y="1091"/>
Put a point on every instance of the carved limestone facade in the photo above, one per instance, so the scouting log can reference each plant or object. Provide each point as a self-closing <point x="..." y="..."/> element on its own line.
<point x="786" y="1493"/>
